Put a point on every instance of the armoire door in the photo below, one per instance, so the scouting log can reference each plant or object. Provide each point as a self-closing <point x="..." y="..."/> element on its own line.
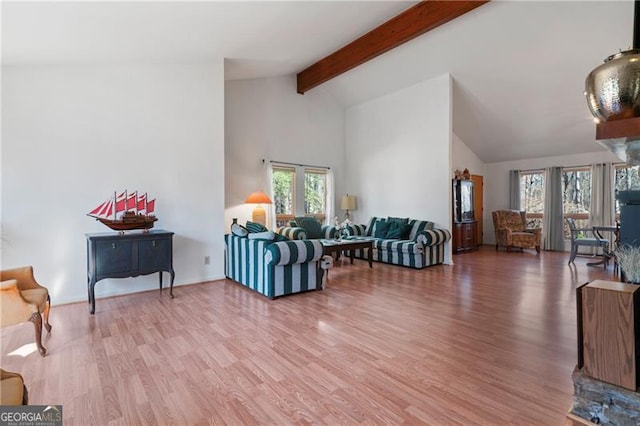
<point x="478" y="209"/>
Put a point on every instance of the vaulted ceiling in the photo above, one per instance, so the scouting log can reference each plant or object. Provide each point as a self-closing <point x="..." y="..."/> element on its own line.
<point x="518" y="67"/>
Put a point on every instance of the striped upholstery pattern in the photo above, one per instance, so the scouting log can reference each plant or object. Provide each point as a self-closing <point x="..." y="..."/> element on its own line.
<point x="292" y="232"/>
<point x="404" y="246"/>
<point x="297" y="233"/>
<point x="356" y="230"/>
<point x="290" y="252"/>
<point x="371" y="226"/>
<point x="417" y="226"/>
<point x="328" y="231"/>
<point x="425" y="246"/>
<point x="273" y="268"/>
<point x="434" y="237"/>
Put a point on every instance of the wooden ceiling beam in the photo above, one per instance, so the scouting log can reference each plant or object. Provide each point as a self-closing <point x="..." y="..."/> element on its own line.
<point x="406" y="26"/>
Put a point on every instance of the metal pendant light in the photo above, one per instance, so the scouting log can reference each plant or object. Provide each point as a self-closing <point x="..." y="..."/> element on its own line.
<point x="613" y="88"/>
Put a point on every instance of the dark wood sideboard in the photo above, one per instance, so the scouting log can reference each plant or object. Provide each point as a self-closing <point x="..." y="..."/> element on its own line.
<point x="115" y="255"/>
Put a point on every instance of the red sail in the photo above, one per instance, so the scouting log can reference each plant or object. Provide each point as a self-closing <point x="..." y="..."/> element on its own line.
<point x="98" y="209"/>
<point x="107" y="210"/>
<point x="131" y="201"/>
<point x="142" y="202"/>
<point x="121" y="202"/>
<point x="151" y="205"/>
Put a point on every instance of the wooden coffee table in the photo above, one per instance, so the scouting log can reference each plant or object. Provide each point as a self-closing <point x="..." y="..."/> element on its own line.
<point x="333" y="246"/>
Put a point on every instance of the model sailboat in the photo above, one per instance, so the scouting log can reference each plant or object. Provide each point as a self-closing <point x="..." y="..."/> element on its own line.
<point x="125" y="212"/>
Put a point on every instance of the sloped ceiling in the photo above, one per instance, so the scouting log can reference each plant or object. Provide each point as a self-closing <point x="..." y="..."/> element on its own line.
<point x="518" y="67"/>
<point x="518" y="70"/>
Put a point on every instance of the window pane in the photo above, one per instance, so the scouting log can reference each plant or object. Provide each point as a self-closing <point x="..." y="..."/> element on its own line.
<point x="576" y="197"/>
<point x="315" y="192"/>
<point x="627" y="179"/>
<point x="283" y="190"/>
<point x="532" y="197"/>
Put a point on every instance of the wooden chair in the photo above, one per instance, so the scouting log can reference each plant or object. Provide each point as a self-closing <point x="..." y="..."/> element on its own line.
<point x="12" y="389"/>
<point x="22" y="299"/>
<point x="579" y="238"/>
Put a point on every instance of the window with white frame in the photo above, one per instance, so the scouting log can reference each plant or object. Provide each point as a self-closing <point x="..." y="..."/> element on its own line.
<point x="284" y="190"/>
<point x="299" y="191"/>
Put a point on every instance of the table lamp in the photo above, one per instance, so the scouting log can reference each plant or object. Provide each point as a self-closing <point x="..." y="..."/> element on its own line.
<point x="348" y="202"/>
<point x="259" y="214"/>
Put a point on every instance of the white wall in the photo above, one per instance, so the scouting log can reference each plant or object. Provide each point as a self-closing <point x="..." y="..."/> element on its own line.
<point x="399" y="154"/>
<point x="266" y="118"/>
<point x="463" y="158"/>
<point x="72" y="135"/>
<point x="496" y="180"/>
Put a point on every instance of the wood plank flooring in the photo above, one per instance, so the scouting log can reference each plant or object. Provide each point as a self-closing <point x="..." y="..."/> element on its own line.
<point x="491" y="340"/>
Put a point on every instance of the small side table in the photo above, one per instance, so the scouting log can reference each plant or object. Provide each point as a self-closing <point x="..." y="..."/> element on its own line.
<point x="115" y="255"/>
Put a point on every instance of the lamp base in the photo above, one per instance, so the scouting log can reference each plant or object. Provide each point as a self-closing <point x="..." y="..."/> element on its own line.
<point x="259" y="215"/>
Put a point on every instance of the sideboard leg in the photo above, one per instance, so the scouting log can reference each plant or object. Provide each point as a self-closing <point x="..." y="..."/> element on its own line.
<point x="92" y="297"/>
<point x="160" y="280"/>
<point x="173" y="275"/>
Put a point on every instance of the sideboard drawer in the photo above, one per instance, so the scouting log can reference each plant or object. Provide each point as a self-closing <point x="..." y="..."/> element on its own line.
<point x="113" y="257"/>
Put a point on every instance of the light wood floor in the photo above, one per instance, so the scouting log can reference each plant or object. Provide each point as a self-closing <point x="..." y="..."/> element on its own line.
<point x="491" y="340"/>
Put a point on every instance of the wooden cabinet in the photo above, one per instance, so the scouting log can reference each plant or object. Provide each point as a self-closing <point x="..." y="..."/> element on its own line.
<point x="465" y="237"/>
<point x="610" y="332"/>
<point x="115" y="255"/>
<point x="465" y="228"/>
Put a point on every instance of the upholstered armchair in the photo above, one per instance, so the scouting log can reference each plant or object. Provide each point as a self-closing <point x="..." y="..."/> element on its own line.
<point x="22" y="299"/>
<point x="511" y="230"/>
<point x="12" y="389"/>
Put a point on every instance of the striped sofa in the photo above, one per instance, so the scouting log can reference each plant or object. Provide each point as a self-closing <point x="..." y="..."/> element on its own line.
<point x="297" y="233"/>
<point x="274" y="268"/>
<point x="423" y="247"/>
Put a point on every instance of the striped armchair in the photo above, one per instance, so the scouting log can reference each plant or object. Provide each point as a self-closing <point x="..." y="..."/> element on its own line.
<point x="275" y="268"/>
<point x="422" y="247"/>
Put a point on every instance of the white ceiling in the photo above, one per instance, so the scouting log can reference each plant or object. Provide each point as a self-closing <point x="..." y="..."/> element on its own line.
<point x="518" y="67"/>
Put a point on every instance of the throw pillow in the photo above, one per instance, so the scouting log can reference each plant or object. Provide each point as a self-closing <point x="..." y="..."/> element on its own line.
<point x="395" y="230"/>
<point x="406" y="231"/>
<point x="370" y="226"/>
<point x="400" y="220"/>
<point x="255" y="227"/>
<point x="380" y="228"/>
<point x="267" y="235"/>
<point x="311" y="226"/>
<point x="239" y="230"/>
